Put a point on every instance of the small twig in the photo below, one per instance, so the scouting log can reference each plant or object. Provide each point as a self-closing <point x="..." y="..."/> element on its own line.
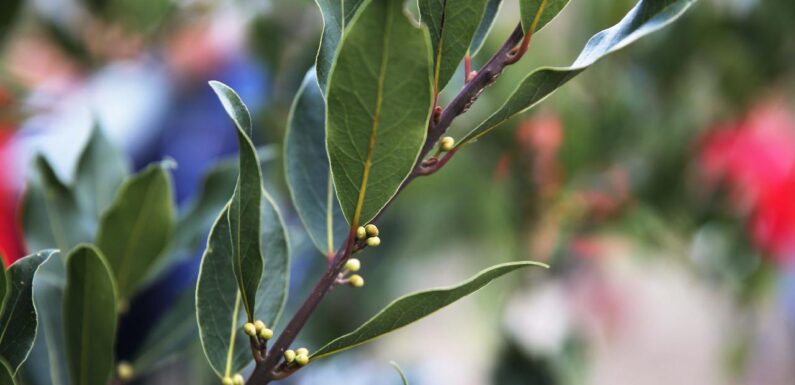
<point x="272" y="368"/>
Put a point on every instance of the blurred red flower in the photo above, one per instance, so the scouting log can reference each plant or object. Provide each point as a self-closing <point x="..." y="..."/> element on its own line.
<point x="755" y="157"/>
<point x="11" y="247"/>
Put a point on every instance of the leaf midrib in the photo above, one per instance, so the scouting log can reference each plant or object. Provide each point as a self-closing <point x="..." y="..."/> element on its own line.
<point x="368" y="162"/>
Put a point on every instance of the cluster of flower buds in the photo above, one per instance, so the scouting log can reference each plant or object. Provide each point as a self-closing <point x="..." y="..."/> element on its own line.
<point x="237" y="379"/>
<point x="300" y="356"/>
<point x="447" y="143"/>
<point x="351" y="266"/>
<point x="369" y="234"/>
<point x="258" y="329"/>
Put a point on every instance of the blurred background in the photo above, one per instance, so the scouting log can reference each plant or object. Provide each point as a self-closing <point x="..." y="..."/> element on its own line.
<point x="660" y="185"/>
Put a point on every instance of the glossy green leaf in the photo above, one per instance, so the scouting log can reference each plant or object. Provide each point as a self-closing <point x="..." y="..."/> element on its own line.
<point x="415" y="306"/>
<point x="135" y="230"/>
<point x="89" y="317"/>
<point x="218" y="304"/>
<point x="244" y="208"/>
<point x="529" y="8"/>
<point x="51" y="218"/>
<point x="379" y="100"/>
<point x="194" y="222"/>
<point x="646" y="17"/>
<point x="336" y="16"/>
<point x="101" y="169"/>
<point x="492" y="9"/>
<point x="46" y="364"/>
<point x="6" y="377"/>
<point x="452" y="25"/>
<point x="18" y="321"/>
<point x="308" y="171"/>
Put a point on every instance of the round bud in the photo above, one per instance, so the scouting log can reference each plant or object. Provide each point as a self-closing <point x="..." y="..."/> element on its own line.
<point x="125" y="371"/>
<point x="356" y="280"/>
<point x="371" y="230"/>
<point x="237" y="379"/>
<point x="266" y="334"/>
<point x="447" y="143"/>
<point x="302" y="359"/>
<point x="250" y="329"/>
<point x="353" y="265"/>
<point x="289" y="355"/>
<point x="259" y="325"/>
<point x="361" y="233"/>
<point x="373" y="241"/>
<point x="302" y="351"/>
<point x="227" y="381"/>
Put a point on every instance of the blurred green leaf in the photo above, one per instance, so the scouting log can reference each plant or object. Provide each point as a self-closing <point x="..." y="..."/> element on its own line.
<point x="5" y="285"/>
<point x="170" y="336"/>
<point x="529" y="8"/>
<point x="308" y="170"/>
<point x="50" y="215"/>
<point x="415" y="306"/>
<point x="492" y="8"/>
<point x="244" y="208"/>
<point x="101" y="169"/>
<point x="452" y="25"/>
<point x="646" y="17"/>
<point x="135" y="230"/>
<point x="89" y="316"/>
<point x="336" y="15"/>
<point x="8" y="14"/>
<point x="218" y="300"/>
<point x="18" y="321"/>
<point x="6" y="377"/>
<point x="379" y="100"/>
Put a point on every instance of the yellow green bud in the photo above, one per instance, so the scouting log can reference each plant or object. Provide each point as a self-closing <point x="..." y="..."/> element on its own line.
<point x="266" y="334"/>
<point x="301" y="351"/>
<point x="447" y="143"/>
<point x="289" y="355"/>
<point x="237" y="379"/>
<point x="302" y="359"/>
<point x="373" y="241"/>
<point x="124" y="371"/>
<point x="259" y="325"/>
<point x="371" y="230"/>
<point x="356" y="280"/>
<point x="353" y="265"/>
<point x="361" y="233"/>
<point x="250" y="329"/>
<point x="227" y="381"/>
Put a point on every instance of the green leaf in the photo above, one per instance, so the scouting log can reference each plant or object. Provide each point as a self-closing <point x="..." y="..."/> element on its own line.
<point x="101" y="169"/>
<point x="89" y="316"/>
<point x="492" y="8"/>
<point x="51" y="218"/>
<point x="415" y="306"/>
<point x="379" y="100"/>
<point x="46" y="364"/>
<point x="452" y="25"/>
<point x="529" y="8"/>
<point x="18" y="321"/>
<point x="402" y="375"/>
<point x="646" y="17"/>
<point x="5" y="285"/>
<point x="218" y="302"/>
<point x="194" y="222"/>
<point x="137" y="227"/>
<point x="336" y="16"/>
<point x="244" y="208"/>
<point x="308" y="171"/>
